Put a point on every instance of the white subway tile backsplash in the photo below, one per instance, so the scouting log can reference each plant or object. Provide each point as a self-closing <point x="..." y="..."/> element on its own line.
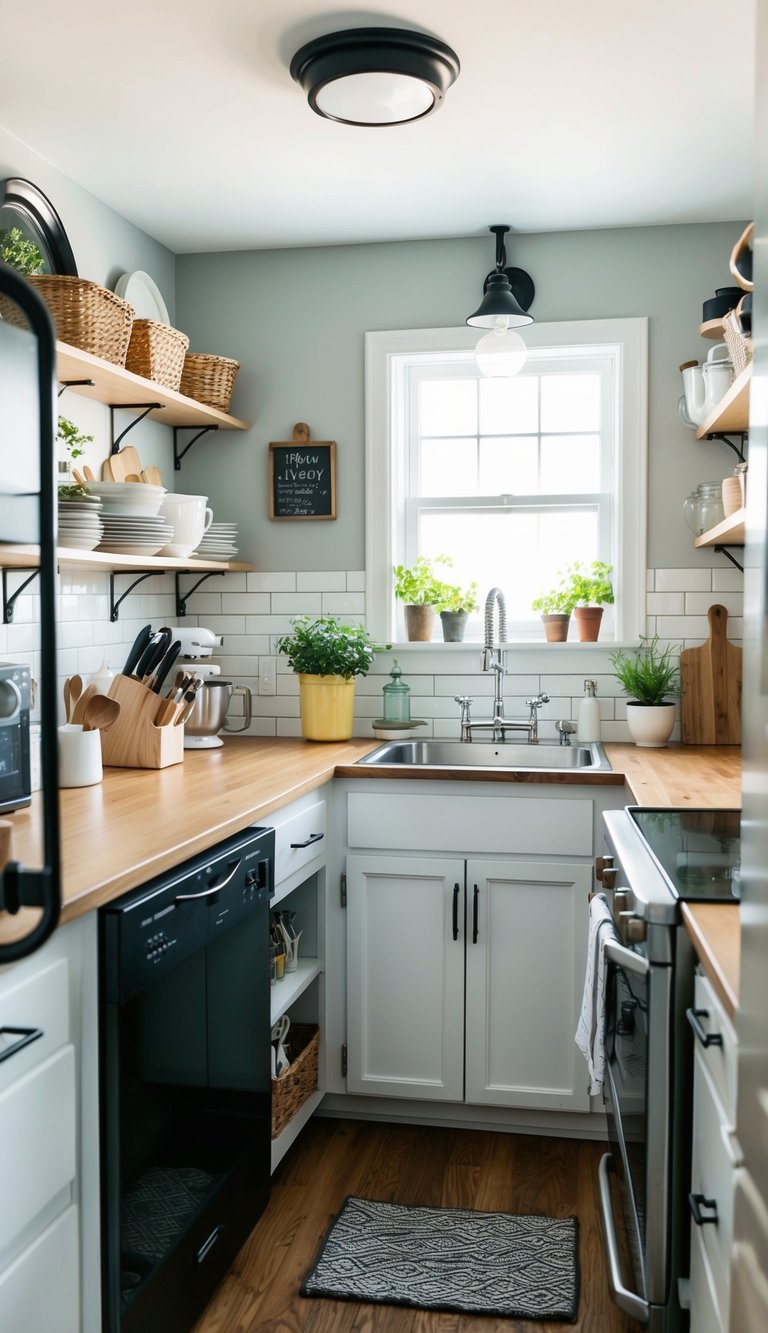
<point x="343" y="603"/>
<point x="698" y="603"/>
<point x="322" y="580"/>
<point x="295" y="603"/>
<point x="683" y="580"/>
<point x="667" y="603"/>
<point x="270" y="582"/>
<point x="682" y="627"/>
<point x="727" y="580"/>
<point x="248" y="603"/>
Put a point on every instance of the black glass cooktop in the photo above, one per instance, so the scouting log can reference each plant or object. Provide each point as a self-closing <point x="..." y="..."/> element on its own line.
<point x="699" y="851"/>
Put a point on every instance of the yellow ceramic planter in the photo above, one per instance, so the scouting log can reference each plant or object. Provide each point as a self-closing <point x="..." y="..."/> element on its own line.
<point x="327" y="707"/>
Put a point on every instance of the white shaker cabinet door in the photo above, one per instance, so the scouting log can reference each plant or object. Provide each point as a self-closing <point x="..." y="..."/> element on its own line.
<point x="527" y="926"/>
<point x="40" y="1292"/>
<point x="405" y="969"/>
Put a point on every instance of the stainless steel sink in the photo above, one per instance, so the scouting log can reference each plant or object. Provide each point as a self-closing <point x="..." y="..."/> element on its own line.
<point x="546" y="755"/>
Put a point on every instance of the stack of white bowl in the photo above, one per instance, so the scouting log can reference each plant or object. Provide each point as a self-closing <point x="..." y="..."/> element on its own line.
<point x="130" y="513"/>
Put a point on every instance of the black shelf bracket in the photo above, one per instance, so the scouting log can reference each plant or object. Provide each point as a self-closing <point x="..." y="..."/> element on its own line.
<point x="177" y="456"/>
<point x="737" y="449"/>
<point x="181" y="602"/>
<point x="75" y="384"/>
<point x="723" y="550"/>
<point x="142" y="408"/>
<point x="115" y="603"/>
<point x="9" y="600"/>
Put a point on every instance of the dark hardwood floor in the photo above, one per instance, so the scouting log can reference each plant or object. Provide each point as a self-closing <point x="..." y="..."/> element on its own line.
<point x="417" y="1165"/>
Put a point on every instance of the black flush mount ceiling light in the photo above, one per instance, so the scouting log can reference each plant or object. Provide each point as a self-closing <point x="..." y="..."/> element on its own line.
<point x="507" y="293"/>
<point x="375" y="76"/>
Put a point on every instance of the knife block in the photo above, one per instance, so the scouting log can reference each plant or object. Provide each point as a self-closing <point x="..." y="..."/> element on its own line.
<point x="133" y="741"/>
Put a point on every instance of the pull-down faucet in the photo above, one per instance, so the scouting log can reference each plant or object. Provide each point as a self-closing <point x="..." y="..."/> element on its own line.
<point x="497" y="725"/>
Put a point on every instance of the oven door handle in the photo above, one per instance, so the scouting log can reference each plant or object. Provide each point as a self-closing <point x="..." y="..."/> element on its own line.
<point x="627" y="1300"/>
<point x="626" y="958"/>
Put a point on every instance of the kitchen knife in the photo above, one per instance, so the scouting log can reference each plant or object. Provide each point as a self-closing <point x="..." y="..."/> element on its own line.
<point x="165" y="665"/>
<point x="156" y="649"/>
<point x="139" y="646"/>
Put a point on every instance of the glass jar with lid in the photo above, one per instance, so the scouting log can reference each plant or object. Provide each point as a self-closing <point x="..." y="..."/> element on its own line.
<point x="703" y="508"/>
<point x="397" y="698"/>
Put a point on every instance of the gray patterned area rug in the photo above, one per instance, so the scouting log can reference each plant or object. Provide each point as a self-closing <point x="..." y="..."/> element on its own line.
<point x="450" y="1259"/>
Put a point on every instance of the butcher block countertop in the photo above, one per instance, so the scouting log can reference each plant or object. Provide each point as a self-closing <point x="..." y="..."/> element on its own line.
<point x="138" y="823"/>
<point x="716" y="933"/>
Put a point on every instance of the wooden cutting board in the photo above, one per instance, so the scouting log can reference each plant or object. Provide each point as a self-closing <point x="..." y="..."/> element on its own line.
<point x="711" y="681"/>
<point x="124" y="464"/>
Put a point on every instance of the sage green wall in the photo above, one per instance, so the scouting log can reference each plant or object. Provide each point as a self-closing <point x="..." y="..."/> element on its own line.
<point x="295" y="319"/>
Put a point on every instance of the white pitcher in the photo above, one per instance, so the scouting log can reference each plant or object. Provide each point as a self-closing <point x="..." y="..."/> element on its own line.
<point x="704" y="387"/>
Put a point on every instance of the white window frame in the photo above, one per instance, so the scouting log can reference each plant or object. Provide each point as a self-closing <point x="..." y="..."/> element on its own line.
<point x="386" y="357"/>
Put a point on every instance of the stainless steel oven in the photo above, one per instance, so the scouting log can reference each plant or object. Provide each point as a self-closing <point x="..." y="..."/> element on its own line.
<point x="655" y="860"/>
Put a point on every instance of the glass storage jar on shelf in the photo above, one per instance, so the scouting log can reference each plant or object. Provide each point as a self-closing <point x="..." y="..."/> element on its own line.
<point x="703" y="508"/>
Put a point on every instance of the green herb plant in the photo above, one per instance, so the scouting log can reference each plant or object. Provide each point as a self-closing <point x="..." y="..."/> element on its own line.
<point x="19" y="253"/>
<point x="456" y="599"/>
<point x="324" y="647"/>
<point x="72" y="438"/>
<point x="421" y="585"/>
<point x="578" y="585"/>
<point x="651" y="673"/>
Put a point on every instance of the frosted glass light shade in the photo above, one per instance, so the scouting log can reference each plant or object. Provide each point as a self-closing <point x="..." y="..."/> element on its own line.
<point x="501" y="352"/>
<point x="375" y="99"/>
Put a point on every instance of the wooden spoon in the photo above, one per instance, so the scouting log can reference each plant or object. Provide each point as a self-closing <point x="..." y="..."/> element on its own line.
<point x="75" y="690"/>
<point x="88" y="693"/>
<point x="152" y="476"/>
<point x="88" y="474"/>
<point x="100" y="712"/>
<point x="66" y="700"/>
<point x="78" y="476"/>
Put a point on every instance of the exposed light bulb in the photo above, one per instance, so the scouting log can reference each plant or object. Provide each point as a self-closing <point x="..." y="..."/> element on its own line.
<point x="501" y="352"/>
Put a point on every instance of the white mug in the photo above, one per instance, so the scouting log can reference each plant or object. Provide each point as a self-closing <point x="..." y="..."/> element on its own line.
<point x="79" y="756"/>
<point x="190" y="518"/>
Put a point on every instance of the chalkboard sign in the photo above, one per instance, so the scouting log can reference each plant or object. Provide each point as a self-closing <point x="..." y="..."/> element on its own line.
<point x="302" y="477"/>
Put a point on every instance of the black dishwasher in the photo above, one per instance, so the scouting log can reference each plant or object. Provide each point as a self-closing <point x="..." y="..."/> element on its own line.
<point x="185" y="1082"/>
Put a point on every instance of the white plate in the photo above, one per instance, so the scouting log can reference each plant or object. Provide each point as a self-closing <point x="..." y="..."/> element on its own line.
<point x="78" y="543"/>
<point x="144" y="295"/>
<point x="130" y="548"/>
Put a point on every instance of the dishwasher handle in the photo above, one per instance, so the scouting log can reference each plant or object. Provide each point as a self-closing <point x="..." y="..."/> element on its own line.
<point x="209" y="893"/>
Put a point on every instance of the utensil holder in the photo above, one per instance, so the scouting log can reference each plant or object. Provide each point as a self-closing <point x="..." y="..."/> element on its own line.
<point x="79" y="756"/>
<point x="133" y="741"/>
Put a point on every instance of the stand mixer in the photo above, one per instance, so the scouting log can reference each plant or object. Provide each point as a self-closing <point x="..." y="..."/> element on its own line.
<point x="209" y="715"/>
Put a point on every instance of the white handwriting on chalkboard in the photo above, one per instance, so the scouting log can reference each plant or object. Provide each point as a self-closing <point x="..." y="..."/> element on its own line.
<point x="302" y="467"/>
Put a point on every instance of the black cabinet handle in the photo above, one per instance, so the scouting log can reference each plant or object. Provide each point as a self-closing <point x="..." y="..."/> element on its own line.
<point x="694" y="1017"/>
<point x="313" y="837"/>
<point x="455" y="911"/>
<point x="474" y="914"/>
<point x="25" y="1035"/>
<point x="698" y="1201"/>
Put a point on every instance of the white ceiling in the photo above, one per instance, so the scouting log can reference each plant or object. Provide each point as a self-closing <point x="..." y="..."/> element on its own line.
<point x="182" y="115"/>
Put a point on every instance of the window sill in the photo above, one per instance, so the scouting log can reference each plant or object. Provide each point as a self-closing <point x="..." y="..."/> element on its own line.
<point x="515" y="645"/>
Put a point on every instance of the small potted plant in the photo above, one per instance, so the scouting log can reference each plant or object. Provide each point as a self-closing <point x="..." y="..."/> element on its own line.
<point x="422" y="592"/>
<point x="327" y="657"/>
<point x="580" y="591"/>
<point x="456" y="605"/>
<point x="592" y="590"/>
<point x="648" y="677"/>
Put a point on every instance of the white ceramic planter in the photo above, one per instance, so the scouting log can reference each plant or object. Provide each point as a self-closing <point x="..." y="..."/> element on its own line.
<point x="651" y="725"/>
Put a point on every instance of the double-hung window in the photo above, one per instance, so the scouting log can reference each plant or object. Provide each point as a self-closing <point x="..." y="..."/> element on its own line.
<point x="511" y="478"/>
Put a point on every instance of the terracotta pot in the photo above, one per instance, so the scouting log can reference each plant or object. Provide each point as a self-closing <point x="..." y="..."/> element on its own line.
<point x="650" y="725"/>
<point x="454" y="624"/>
<point x="587" y="621"/>
<point x="556" y="627"/>
<point x="419" y="623"/>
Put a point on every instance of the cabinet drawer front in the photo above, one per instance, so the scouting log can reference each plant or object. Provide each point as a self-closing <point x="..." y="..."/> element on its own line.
<point x="712" y="1175"/>
<point x="506" y="824"/>
<point x="37" y="1001"/>
<point x="705" y="1317"/>
<point x="720" y="1061"/>
<point x="41" y="1289"/>
<point x="299" y="839"/>
<point x="37" y="1129"/>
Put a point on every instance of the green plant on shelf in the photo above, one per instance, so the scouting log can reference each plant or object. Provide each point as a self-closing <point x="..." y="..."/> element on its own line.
<point x="19" y="253"/>
<point x="577" y="585"/>
<point x="650" y="674"/>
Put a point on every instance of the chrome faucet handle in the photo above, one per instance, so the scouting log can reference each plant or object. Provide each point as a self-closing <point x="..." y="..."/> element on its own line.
<point x="565" y="730"/>
<point x="538" y="701"/>
<point x="465" y="702"/>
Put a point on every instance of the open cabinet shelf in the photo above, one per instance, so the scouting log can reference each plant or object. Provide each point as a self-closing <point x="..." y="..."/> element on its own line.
<point x="730" y="532"/>
<point x="28" y="557"/>
<point x="121" y="388"/>
<point x="732" y="412"/>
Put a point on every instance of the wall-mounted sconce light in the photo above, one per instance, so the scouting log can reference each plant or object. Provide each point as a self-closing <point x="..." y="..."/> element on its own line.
<point x="507" y="294"/>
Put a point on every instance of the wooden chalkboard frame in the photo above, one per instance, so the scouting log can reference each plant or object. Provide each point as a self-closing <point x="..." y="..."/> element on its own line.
<point x="323" y="455"/>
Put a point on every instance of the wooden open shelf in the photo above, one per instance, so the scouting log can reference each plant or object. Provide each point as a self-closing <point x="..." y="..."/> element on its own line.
<point x="732" y="412"/>
<point x="731" y="532"/>
<point x="121" y="388"/>
<point x="28" y="557"/>
<point x="712" y="328"/>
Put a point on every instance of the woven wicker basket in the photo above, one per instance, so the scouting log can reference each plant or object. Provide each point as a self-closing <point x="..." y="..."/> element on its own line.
<point x="87" y="316"/>
<point x="156" y="351"/>
<point x="739" y="346"/>
<point x="299" y="1081"/>
<point x="209" y="379"/>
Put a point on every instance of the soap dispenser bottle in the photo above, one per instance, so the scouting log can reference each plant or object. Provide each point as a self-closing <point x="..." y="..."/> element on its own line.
<point x="589" y="714"/>
<point x="397" y="698"/>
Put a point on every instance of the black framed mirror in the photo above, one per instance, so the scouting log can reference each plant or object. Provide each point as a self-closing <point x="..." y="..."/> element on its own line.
<point x="24" y="206"/>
